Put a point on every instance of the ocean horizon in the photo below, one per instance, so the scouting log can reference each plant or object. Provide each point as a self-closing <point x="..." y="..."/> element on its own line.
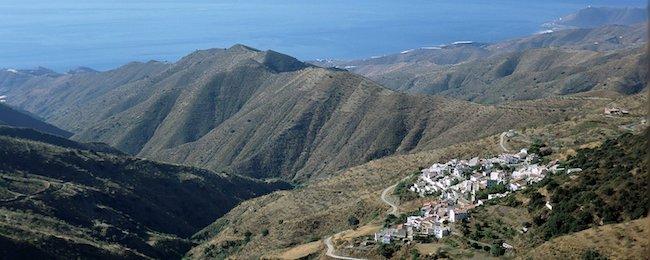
<point x="102" y="35"/>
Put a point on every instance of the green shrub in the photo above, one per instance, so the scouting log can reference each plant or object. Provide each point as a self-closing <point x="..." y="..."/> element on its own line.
<point x="353" y="221"/>
<point x="592" y="254"/>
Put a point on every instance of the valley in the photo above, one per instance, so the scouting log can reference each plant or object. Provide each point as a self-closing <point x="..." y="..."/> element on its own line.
<point x="258" y="113"/>
<point x="533" y="147"/>
<point x="55" y="199"/>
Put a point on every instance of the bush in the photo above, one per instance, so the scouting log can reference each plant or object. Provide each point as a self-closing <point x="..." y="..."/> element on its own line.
<point x="497" y="250"/>
<point x="415" y="254"/>
<point x="265" y="232"/>
<point x="607" y="189"/>
<point x="591" y="254"/>
<point x="402" y="189"/>
<point x="247" y="236"/>
<point x="387" y="250"/>
<point x="353" y="221"/>
<point x="390" y="220"/>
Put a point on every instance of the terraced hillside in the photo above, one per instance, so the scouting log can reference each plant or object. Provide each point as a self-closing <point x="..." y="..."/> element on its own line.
<point x="60" y="201"/>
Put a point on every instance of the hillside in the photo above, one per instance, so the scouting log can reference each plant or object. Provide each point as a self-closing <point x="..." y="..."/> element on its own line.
<point x="598" y="16"/>
<point x="420" y="60"/>
<point x="66" y="202"/>
<point x="628" y="240"/>
<point x="536" y="73"/>
<point x="53" y="96"/>
<point x="554" y="62"/>
<point x="14" y="118"/>
<point x="610" y="189"/>
<point x="603" y="38"/>
<point x="296" y="222"/>
<point x="260" y="113"/>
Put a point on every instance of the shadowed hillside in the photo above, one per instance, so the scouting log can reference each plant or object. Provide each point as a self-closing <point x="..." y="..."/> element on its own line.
<point x="15" y="118"/>
<point x="65" y="202"/>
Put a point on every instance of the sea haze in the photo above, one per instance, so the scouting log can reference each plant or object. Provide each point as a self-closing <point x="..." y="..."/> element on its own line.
<point x="64" y="34"/>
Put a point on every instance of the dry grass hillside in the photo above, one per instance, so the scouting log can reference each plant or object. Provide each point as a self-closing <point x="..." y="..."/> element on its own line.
<point x="287" y="223"/>
<point x="628" y="240"/>
<point x="310" y="213"/>
<point x="530" y="74"/>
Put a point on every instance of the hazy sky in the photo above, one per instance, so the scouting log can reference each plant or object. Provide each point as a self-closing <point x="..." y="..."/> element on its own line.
<point x="104" y="34"/>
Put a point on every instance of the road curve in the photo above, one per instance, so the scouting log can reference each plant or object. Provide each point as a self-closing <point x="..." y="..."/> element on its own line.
<point x="393" y="210"/>
<point x="502" y="142"/>
<point x="384" y="193"/>
<point x="330" y="251"/>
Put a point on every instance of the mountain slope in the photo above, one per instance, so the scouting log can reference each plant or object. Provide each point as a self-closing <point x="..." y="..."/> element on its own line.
<point x="566" y="61"/>
<point x="306" y="215"/>
<point x="58" y="97"/>
<point x="62" y="202"/>
<point x="598" y="16"/>
<point x="536" y="73"/>
<point x="264" y="114"/>
<point x="604" y="38"/>
<point x="627" y="240"/>
<point x="15" y="118"/>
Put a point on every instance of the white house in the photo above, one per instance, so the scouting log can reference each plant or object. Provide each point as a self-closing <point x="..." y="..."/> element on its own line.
<point x="456" y="215"/>
<point x="573" y="170"/>
<point x="440" y="231"/>
<point x="549" y="206"/>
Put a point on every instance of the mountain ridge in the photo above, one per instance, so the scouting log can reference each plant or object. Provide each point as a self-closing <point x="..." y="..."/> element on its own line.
<point x="261" y="113"/>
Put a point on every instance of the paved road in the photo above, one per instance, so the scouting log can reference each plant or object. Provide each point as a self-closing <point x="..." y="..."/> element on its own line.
<point x="502" y="142"/>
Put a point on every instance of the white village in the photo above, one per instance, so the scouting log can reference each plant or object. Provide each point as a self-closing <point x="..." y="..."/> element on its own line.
<point x="460" y="185"/>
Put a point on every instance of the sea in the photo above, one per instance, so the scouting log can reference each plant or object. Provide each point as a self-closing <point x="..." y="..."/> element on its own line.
<point x="64" y="34"/>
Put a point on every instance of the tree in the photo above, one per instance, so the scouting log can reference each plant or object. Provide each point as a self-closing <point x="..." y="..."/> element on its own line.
<point x="592" y="254"/>
<point x="265" y="232"/>
<point x="497" y="250"/>
<point x="387" y="250"/>
<point x="247" y="236"/>
<point x="415" y="254"/>
<point x="390" y="220"/>
<point x="353" y="221"/>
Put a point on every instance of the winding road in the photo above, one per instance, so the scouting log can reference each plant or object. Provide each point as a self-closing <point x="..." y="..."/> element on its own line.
<point x="393" y="210"/>
<point x="502" y="142"/>
<point x="384" y="193"/>
<point x="330" y="251"/>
